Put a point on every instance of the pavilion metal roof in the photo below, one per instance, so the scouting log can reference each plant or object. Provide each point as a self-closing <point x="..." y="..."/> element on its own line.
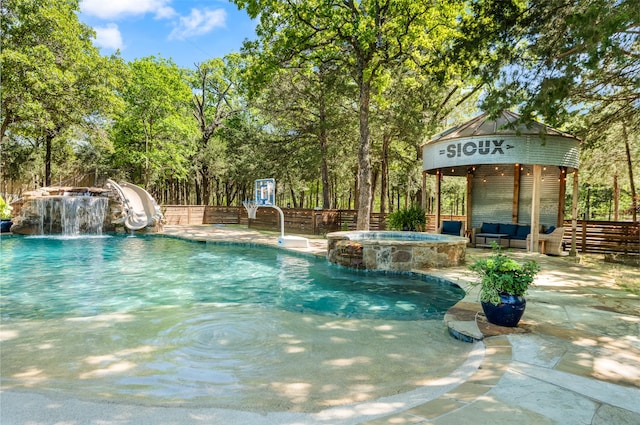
<point x="506" y="123"/>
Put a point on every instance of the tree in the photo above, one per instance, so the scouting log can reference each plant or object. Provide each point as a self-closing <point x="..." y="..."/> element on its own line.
<point x="571" y="62"/>
<point x="154" y="135"/>
<point x="365" y="38"/>
<point x="574" y="55"/>
<point x="53" y="78"/>
<point x="216" y="85"/>
<point x="307" y="107"/>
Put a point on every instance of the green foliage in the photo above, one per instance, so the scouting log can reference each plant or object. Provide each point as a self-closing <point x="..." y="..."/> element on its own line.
<point x="55" y="83"/>
<point x="366" y="40"/>
<point x="567" y="57"/>
<point x="500" y="274"/>
<point x="413" y="218"/>
<point x="154" y="136"/>
<point x="5" y="208"/>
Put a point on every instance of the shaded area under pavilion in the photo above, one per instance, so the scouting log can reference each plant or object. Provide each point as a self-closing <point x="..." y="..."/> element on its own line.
<point x="516" y="172"/>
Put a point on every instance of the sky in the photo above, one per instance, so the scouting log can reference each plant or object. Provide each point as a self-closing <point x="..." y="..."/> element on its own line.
<point x="187" y="31"/>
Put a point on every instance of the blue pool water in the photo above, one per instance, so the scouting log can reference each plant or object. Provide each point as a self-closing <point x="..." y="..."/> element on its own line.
<point x="169" y="322"/>
<point x="48" y="277"/>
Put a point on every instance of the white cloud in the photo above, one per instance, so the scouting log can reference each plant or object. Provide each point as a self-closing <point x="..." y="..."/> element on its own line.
<point x="198" y="22"/>
<point x="112" y="9"/>
<point x="109" y="37"/>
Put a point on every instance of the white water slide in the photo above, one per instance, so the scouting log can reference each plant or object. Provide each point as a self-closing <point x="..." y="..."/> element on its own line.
<point x="139" y="206"/>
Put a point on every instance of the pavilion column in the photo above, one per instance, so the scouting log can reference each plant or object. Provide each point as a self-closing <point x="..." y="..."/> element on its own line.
<point x="574" y="214"/>
<point x="515" y="207"/>
<point x="469" y="200"/>
<point x="535" y="208"/>
<point x="562" y="190"/>
<point x="438" y="197"/>
<point x="424" y="191"/>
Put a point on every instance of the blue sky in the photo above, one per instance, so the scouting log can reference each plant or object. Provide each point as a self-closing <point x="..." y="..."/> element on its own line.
<point x="187" y="31"/>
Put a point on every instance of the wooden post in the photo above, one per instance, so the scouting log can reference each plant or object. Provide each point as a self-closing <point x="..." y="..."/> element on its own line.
<point x="535" y="207"/>
<point x="438" y="203"/>
<point x="469" y="200"/>
<point x="574" y="214"/>
<point x="516" y="194"/>
<point x="423" y="203"/>
<point x="562" y="190"/>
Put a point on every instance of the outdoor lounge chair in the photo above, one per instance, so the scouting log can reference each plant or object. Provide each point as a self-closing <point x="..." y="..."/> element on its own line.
<point x="552" y="244"/>
<point x="453" y="228"/>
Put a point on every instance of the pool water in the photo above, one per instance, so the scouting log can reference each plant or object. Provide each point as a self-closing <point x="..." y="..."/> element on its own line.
<point x="166" y="321"/>
<point x="47" y="278"/>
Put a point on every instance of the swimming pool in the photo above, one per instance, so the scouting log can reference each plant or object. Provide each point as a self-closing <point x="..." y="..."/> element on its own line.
<point x="164" y="320"/>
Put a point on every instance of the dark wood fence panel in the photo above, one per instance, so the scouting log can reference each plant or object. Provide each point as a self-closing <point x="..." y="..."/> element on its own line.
<point x="604" y="236"/>
<point x="223" y="215"/>
<point x="298" y="221"/>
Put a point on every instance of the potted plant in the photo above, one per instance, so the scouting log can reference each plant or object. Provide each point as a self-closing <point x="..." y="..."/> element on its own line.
<point x="408" y="219"/>
<point x="503" y="284"/>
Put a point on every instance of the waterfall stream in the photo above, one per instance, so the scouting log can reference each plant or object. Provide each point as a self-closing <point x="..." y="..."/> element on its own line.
<point x="72" y="215"/>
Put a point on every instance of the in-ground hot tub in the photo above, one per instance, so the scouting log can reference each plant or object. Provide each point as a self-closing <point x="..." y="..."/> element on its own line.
<point x="395" y="251"/>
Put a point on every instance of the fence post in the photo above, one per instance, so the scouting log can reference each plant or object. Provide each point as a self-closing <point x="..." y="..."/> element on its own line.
<point x="314" y="222"/>
<point x="584" y="236"/>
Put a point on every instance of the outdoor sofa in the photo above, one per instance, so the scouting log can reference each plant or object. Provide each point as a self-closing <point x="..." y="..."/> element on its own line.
<point x="508" y="235"/>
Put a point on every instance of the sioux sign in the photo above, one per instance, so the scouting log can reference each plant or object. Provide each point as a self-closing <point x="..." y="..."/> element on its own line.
<point x="482" y="147"/>
<point x="499" y="149"/>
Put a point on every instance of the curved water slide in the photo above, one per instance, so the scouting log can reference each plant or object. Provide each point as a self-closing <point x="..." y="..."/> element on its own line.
<point x="139" y="206"/>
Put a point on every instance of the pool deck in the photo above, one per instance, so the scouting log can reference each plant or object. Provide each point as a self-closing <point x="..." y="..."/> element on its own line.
<point x="574" y="359"/>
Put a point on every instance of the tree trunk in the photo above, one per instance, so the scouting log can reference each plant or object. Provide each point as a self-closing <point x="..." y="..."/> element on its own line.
<point x="616" y="197"/>
<point x="324" y="169"/>
<point x="364" y="154"/>
<point x="48" y="141"/>
<point x="323" y="139"/>
<point x="206" y="185"/>
<point x="47" y="159"/>
<point x="634" y="198"/>
<point x="196" y="182"/>
<point x="374" y="182"/>
<point x="384" y="176"/>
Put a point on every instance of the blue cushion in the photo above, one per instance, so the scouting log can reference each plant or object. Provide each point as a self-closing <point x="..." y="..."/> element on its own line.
<point x="523" y="230"/>
<point x="550" y="230"/>
<point x="509" y="229"/>
<point x="489" y="228"/>
<point x="451" y="227"/>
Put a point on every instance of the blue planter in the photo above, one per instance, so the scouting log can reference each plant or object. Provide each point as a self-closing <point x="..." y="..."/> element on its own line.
<point x="507" y="313"/>
<point x="5" y="225"/>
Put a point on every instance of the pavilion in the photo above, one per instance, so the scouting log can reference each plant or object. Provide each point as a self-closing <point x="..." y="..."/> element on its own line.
<point x="516" y="172"/>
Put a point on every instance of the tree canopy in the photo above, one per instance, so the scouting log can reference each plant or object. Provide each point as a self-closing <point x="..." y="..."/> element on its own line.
<point x="54" y="79"/>
<point x="333" y="98"/>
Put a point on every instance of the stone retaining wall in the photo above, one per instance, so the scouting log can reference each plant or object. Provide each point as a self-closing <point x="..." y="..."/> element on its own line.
<point x="417" y="251"/>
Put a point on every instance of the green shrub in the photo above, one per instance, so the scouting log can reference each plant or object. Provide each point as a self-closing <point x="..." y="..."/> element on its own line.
<point x="413" y="218"/>
<point x="5" y="209"/>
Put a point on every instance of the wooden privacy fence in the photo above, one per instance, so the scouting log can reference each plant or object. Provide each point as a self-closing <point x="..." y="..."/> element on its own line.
<point x="303" y="221"/>
<point x="592" y="236"/>
<point x="604" y="236"/>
